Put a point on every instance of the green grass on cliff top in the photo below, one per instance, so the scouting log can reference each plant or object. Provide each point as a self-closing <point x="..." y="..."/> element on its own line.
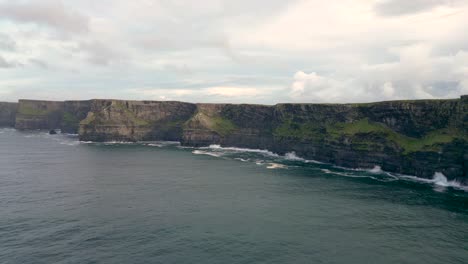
<point x="429" y="142"/>
<point x="303" y="131"/>
<point x="309" y="131"/>
<point x="26" y="110"/>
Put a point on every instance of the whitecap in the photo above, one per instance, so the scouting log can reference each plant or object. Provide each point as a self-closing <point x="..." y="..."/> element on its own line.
<point x="376" y="170"/>
<point x="155" y="145"/>
<point x="201" y="152"/>
<point x="292" y="156"/>
<point x="234" y="149"/>
<point x="276" y="166"/>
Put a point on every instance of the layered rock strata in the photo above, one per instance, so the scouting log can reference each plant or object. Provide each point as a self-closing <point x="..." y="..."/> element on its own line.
<point x="410" y="137"/>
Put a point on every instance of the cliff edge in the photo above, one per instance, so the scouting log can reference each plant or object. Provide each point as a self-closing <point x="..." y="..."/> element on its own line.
<point x="418" y="137"/>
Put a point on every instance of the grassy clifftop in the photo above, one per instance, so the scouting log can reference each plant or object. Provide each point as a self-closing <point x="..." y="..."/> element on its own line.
<point x="415" y="137"/>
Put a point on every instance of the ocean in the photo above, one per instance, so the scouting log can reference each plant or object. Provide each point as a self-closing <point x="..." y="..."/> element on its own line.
<point x="65" y="201"/>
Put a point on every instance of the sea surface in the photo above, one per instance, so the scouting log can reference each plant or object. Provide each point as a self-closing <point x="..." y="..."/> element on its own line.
<point x="65" y="201"/>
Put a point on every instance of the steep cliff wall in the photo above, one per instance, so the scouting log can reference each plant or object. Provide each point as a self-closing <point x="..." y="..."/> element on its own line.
<point x="7" y="114"/>
<point x="33" y="114"/>
<point x="73" y="113"/>
<point x="410" y="137"/>
<point x="111" y="120"/>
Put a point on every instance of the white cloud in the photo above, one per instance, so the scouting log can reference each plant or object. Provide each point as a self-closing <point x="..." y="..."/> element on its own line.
<point x="263" y="51"/>
<point x="416" y="74"/>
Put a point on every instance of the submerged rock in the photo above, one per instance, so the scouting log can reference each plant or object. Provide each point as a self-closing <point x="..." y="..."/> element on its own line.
<point x="52" y="132"/>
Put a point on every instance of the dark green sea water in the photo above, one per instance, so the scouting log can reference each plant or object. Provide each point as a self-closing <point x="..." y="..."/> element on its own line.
<point x="62" y="201"/>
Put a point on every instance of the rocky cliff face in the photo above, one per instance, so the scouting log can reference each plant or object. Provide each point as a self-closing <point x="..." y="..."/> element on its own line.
<point x="410" y="137"/>
<point x="7" y="114"/>
<point x="73" y="113"/>
<point x="33" y="114"/>
<point x="114" y="120"/>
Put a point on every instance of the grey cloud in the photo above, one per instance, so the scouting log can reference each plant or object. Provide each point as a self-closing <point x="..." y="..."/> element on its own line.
<point x="52" y="13"/>
<point x="184" y="27"/>
<point x="406" y="7"/>
<point x="6" y="64"/>
<point x="101" y="54"/>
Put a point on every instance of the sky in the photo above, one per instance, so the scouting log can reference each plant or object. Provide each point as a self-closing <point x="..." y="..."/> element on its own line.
<point x="234" y="51"/>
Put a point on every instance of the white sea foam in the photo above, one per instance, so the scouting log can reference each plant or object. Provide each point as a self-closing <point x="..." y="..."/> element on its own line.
<point x="440" y="180"/>
<point x="233" y="149"/>
<point x="161" y="144"/>
<point x="201" y="152"/>
<point x="376" y="170"/>
<point x="155" y="145"/>
<point x="292" y="156"/>
<point x="70" y="143"/>
<point x="276" y="166"/>
<point x="112" y="143"/>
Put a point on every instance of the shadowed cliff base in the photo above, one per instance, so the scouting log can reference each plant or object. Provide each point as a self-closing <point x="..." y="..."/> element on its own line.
<point x="417" y="137"/>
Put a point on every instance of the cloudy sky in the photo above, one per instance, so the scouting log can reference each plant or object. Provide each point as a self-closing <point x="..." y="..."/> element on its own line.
<point x="251" y="51"/>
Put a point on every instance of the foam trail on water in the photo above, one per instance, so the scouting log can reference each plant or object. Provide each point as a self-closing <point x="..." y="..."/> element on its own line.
<point x="201" y="152"/>
<point x="276" y="166"/>
<point x="439" y="179"/>
<point x="161" y="144"/>
<point x="327" y="171"/>
<point x="261" y="151"/>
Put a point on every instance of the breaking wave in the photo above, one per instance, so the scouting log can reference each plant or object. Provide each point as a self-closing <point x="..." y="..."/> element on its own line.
<point x="439" y="179"/>
<point x="233" y="149"/>
<point x="264" y="158"/>
<point x="376" y="170"/>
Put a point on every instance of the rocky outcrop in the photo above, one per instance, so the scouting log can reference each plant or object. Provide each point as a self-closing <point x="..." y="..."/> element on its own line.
<point x="34" y="114"/>
<point x="7" y="114"/>
<point x="114" y="120"/>
<point x="411" y="137"/>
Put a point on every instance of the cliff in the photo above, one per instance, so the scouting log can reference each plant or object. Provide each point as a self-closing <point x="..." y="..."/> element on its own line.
<point x="7" y="114"/>
<point x="111" y="120"/>
<point x="34" y="114"/>
<point x="73" y="113"/>
<point x="410" y="137"/>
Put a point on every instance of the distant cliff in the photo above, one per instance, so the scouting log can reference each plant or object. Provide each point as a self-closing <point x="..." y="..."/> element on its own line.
<point x="35" y="114"/>
<point x="7" y="114"/>
<point x="410" y="137"/>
